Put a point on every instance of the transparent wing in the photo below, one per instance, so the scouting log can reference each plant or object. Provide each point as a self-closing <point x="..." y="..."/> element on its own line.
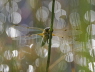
<point x="61" y="32"/>
<point x="24" y="32"/>
<point x="26" y="27"/>
<point x="33" y="36"/>
<point x="67" y="32"/>
<point x="34" y="32"/>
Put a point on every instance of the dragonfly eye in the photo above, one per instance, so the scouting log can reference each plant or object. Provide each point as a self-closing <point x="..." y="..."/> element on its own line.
<point x="47" y="29"/>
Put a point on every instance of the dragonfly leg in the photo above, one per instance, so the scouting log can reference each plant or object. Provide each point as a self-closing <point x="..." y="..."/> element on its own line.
<point x="41" y="34"/>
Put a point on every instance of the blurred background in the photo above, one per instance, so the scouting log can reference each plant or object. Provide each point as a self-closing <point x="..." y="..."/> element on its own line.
<point x="73" y="46"/>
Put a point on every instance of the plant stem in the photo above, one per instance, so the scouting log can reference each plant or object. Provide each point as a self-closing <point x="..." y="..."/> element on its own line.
<point x="50" y="37"/>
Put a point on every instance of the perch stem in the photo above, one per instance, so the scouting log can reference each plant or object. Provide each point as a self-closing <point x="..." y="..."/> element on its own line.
<point x="50" y="37"/>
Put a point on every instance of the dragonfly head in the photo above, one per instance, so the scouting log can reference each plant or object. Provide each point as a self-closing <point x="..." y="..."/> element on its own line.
<point x="47" y="29"/>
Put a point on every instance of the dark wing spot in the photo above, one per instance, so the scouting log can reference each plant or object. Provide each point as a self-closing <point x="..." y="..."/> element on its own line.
<point x="65" y="29"/>
<point x="62" y="37"/>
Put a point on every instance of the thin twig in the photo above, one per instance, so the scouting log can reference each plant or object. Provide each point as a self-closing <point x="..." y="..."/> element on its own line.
<point x="56" y="62"/>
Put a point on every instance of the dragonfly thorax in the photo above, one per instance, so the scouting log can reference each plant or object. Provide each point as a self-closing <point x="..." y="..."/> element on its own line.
<point x="46" y="34"/>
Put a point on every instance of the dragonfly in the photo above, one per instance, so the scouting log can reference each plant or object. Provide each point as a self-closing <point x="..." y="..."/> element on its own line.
<point x="45" y="33"/>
